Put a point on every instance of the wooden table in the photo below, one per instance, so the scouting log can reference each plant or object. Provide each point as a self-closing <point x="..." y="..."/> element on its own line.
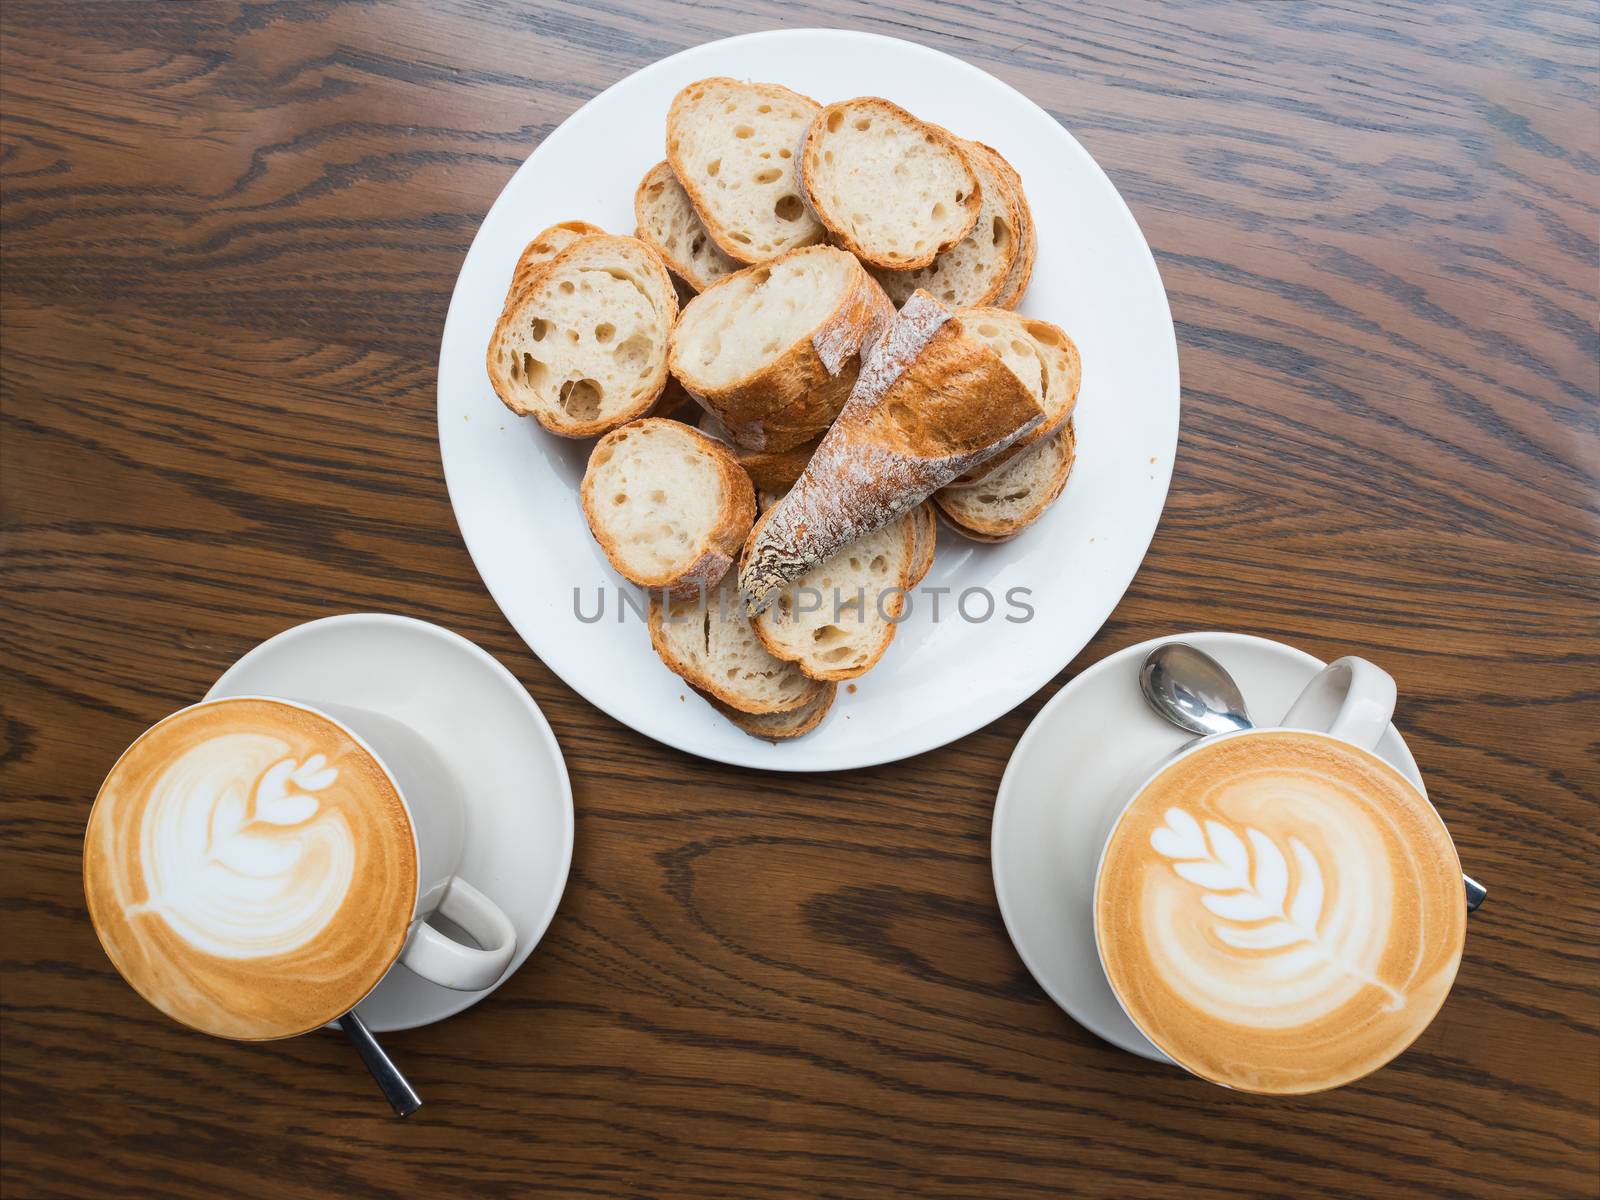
<point x="230" y="235"/>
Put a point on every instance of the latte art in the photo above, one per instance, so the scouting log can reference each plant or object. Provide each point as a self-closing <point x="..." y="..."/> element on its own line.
<point x="1280" y="912"/>
<point x="238" y="855"/>
<point x="249" y="868"/>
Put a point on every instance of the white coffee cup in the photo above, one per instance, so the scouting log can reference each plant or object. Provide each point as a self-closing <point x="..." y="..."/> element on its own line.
<point x="1350" y="701"/>
<point x="438" y="826"/>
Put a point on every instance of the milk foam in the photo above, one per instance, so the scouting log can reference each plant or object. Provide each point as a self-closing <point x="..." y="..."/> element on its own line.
<point x="237" y="854"/>
<point x="1280" y="912"/>
<point x="250" y="868"/>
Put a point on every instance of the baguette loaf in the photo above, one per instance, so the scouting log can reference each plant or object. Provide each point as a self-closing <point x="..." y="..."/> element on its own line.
<point x="542" y="249"/>
<point x="837" y="619"/>
<point x="769" y="470"/>
<point x="976" y="269"/>
<point x="1016" y="282"/>
<point x="668" y="222"/>
<point x="1044" y="358"/>
<point x="932" y="402"/>
<point x="891" y="189"/>
<point x="778" y="727"/>
<point x="670" y="506"/>
<point x="710" y="643"/>
<point x="1004" y="503"/>
<point x="583" y="348"/>
<point x="774" y="350"/>
<point x="732" y="144"/>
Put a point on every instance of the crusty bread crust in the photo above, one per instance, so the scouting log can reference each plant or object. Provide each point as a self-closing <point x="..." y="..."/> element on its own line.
<point x="931" y="403"/>
<point x="699" y="193"/>
<point x="769" y="470"/>
<point x="736" y="509"/>
<point x="536" y="255"/>
<point x="808" y="161"/>
<point x="522" y="311"/>
<point x="796" y="396"/>
<point x="964" y="510"/>
<point x="1062" y="378"/>
<point x="1017" y="279"/>
<point x="779" y="727"/>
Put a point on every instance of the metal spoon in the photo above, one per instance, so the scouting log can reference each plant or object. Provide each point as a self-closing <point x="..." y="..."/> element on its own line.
<point x="396" y="1089"/>
<point x="1195" y="692"/>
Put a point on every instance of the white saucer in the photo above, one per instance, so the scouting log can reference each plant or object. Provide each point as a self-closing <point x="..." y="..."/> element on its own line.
<point x="489" y="733"/>
<point x="1064" y="786"/>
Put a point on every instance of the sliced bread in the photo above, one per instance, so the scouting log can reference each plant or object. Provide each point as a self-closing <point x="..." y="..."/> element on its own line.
<point x="1003" y="504"/>
<point x="1040" y="355"/>
<point x="931" y="403"/>
<point x="779" y="727"/>
<point x="774" y="350"/>
<point x="732" y="146"/>
<point x="670" y="506"/>
<point x="542" y="249"/>
<point x="710" y="643"/>
<point x="769" y="470"/>
<point x="837" y="619"/>
<point x="975" y="270"/>
<point x="1016" y="282"/>
<point x="667" y="221"/>
<point x="891" y="189"/>
<point x="925" y="525"/>
<point x="583" y="348"/>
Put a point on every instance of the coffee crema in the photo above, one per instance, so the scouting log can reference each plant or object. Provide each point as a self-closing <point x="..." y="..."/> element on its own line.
<point x="250" y="868"/>
<point x="1280" y="912"/>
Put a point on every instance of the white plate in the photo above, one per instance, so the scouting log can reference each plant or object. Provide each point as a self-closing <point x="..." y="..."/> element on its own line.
<point x="1066" y="783"/>
<point x="515" y="487"/>
<point x="489" y="734"/>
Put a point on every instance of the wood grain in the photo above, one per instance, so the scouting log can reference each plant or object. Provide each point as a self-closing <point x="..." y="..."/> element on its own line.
<point x="230" y="235"/>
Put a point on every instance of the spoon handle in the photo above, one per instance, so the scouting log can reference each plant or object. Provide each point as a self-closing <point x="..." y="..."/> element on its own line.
<point x="1476" y="893"/>
<point x="396" y="1089"/>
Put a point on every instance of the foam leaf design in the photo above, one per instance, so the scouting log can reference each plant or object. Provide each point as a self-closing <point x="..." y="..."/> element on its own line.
<point x="276" y="804"/>
<point x="1244" y="883"/>
<point x="1217" y="860"/>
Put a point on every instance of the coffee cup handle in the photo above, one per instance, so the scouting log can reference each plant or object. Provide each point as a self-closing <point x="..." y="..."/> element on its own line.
<point x="445" y="961"/>
<point x="1350" y="699"/>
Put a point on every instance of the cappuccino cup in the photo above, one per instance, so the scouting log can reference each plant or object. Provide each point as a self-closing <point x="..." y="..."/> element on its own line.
<point x="1279" y="910"/>
<point x="254" y="866"/>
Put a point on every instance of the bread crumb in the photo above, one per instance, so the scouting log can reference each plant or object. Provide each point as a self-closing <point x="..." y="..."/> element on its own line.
<point x="851" y="688"/>
<point x="1152" y="459"/>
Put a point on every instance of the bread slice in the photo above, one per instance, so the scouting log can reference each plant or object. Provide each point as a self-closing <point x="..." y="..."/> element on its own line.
<point x="925" y="526"/>
<point x="932" y="402"/>
<point x="537" y="253"/>
<point x="769" y="470"/>
<point x="668" y="222"/>
<point x="1043" y="357"/>
<point x="670" y="506"/>
<point x="583" y="347"/>
<point x="774" y="350"/>
<point x="837" y="619"/>
<point x="732" y="146"/>
<point x="778" y="727"/>
<point x="891" y="189"/>
<point x="1005" y="503"/>
<point x="710" y="643"/>
<point x="975" y="269"/>
<point x="1016" y="282"/>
